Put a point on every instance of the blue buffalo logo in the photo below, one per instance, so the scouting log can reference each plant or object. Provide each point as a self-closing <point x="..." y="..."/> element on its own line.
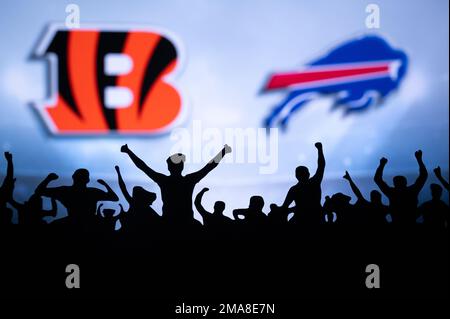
<point x="358" y="73"/>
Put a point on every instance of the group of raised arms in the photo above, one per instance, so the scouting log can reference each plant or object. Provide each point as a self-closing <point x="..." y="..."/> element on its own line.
<point x="302" y="206"/>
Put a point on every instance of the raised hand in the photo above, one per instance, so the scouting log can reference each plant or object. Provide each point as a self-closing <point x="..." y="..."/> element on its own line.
<point x="52" y="176"/>
<point x="418" y="154"/>
<point x="318" y="145"/>
<point x="437" y="171"/>
<point x="117" y="168"/>
<point x="102" y="182"/>
<point x="205" y="189"/>
<point x="8" y="156"/>
<point x="227" y="148"/>
<point x="383" y="161"/>
<point x="124" y="148"/>
<point x="346" y="176"/>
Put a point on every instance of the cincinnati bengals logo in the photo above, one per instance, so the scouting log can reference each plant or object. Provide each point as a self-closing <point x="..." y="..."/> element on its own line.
<point x="105" y="81"/>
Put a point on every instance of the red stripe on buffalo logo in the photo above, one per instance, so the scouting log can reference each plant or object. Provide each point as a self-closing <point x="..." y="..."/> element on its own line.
<point x="311" y="76"/>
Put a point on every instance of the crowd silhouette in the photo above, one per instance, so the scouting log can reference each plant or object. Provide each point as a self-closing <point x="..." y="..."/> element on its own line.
<point x="301" y="210"/>
<point x="314" y="242"/>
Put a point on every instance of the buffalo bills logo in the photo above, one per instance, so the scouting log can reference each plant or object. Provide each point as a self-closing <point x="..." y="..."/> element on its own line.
<point x="359" y="73"/>
<point x="105" y="81"/>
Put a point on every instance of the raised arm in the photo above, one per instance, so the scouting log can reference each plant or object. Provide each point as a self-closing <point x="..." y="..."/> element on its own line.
<point x="43" y="190"/>
<point x="198" y="202"/>
<point x="320" y="163"/>
<point x="122" y="185"/>
<point x="354" y="188"/>
<point x="44" y="183"/>
<point x="211" y="164"/>
<point x="378" y="178"/>
<point x="423" y="173"/>
<point x="8" y="182"/>
<point x="141" y="164"/>
<point x="109" y="195"/>
<point x="438" y="173"/>
<point x="13" y="202"/>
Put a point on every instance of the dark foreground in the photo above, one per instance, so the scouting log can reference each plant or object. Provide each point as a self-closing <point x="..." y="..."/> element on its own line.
<point x="245" y="267"/>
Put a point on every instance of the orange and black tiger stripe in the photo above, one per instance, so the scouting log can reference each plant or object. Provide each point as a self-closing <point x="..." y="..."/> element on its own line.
<point x="80" y="102"/>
